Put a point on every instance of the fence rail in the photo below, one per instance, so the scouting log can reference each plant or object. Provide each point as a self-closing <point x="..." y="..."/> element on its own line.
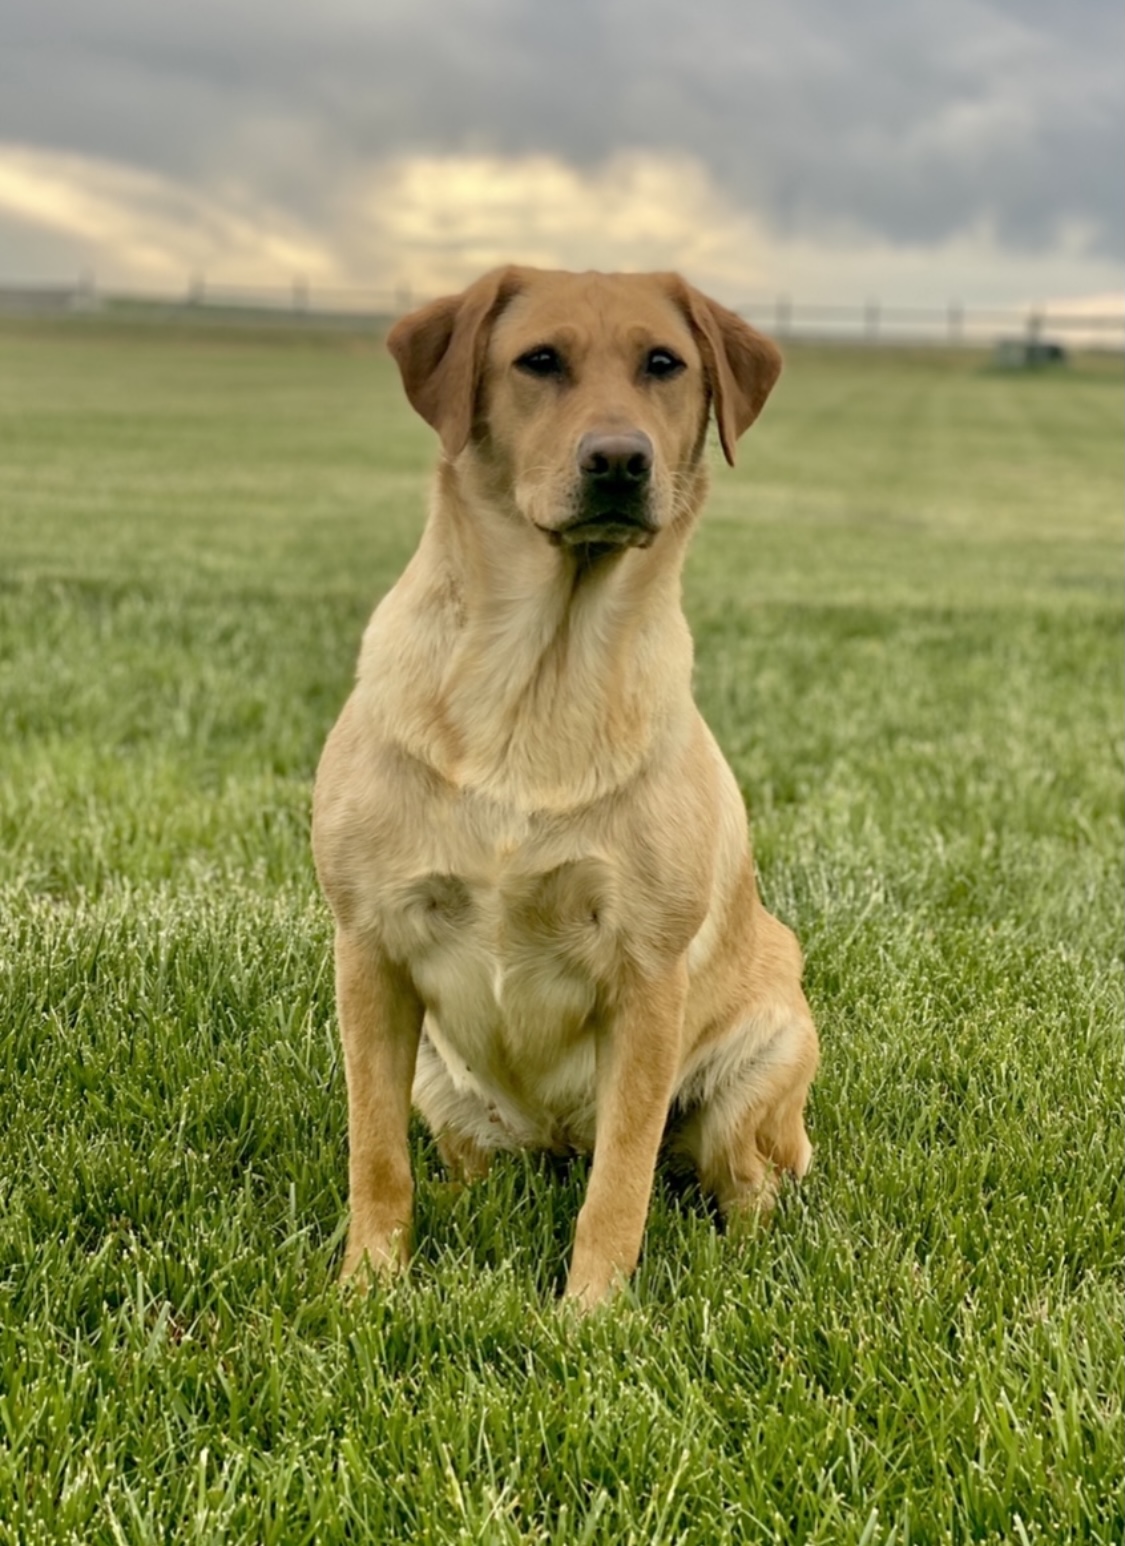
<point x="870" y="322"/>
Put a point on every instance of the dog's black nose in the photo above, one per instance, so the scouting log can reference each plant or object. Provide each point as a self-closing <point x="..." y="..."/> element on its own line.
<point x="622" y="457"/>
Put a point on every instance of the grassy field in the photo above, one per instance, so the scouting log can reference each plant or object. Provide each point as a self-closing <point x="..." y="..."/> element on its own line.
<point x="908" y="609"/>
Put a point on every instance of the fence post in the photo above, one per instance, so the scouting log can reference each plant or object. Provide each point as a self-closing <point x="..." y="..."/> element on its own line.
<point x="300" y="293"/>
<point x="955" y="322"/>
<point x="85" y="292"/>
<point x="871" y="321"/>
<point x="782" y="315"/>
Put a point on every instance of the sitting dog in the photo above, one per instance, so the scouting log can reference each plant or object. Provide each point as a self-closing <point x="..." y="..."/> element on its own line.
<point x="548" y="933"/>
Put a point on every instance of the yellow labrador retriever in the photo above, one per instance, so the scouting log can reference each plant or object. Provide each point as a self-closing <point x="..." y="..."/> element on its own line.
<point x="548" y="933"/>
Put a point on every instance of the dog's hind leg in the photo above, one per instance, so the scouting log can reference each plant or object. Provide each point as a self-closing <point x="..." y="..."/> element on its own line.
<point x="459" y="1119"/>
<point x="464" y="1158"/>
<point x="752" y="1133"/>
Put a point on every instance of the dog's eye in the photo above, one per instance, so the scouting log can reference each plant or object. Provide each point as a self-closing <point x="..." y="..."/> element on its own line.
<point x="543" y="361"/>
<point x="662" y="363"/>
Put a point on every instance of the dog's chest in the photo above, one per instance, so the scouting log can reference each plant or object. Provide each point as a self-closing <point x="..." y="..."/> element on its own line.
<point x="510" y="966"/>
<point x="520" y="941"/>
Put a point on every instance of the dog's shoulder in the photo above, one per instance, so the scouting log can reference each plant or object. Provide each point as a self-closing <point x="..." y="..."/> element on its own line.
<point x="370" y="801"/>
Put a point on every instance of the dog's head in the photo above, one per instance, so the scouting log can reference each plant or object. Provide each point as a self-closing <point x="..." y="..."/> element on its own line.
<point x="582" y="400"/>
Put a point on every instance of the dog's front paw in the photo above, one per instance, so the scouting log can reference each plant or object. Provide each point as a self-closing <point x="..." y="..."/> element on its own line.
<point x="367" y="1261"/>
<point x="592" y="1283"/>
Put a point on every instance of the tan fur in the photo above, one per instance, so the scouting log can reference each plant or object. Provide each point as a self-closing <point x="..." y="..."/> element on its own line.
<point x="548" y="928"/>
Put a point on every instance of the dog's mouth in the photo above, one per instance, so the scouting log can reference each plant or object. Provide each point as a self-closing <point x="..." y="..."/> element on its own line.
<point x="603" y="531"/>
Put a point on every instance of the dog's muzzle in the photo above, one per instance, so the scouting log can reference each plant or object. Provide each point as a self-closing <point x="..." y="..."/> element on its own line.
<point x="614" y="484"/>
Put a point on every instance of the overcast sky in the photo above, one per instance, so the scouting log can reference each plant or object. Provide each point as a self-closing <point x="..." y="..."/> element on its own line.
<point x="826" y="149"/>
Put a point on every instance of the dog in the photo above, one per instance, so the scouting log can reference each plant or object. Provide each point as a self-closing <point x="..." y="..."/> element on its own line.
<point x="548" y="932"/>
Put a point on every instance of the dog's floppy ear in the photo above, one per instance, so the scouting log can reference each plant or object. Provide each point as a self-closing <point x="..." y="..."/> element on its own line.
<point x="439" y="350"/>
<point x="742" y="366"/>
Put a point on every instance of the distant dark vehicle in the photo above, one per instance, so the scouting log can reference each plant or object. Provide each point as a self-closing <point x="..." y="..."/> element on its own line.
<point x="1022" y="353"/>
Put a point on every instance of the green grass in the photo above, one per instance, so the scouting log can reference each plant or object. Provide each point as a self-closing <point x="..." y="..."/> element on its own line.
<point x="907" y="604"/>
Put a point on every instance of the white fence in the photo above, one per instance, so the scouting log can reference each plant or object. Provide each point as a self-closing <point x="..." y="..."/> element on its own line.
<point x="784" y="317"/>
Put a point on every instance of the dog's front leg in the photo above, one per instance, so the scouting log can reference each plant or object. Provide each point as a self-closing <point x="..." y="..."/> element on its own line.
<point x="380" y="1023"/>
<point x="638" y="1056"/>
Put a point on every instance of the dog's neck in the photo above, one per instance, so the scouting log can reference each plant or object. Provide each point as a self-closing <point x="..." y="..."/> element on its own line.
<point x="536" y="676"/>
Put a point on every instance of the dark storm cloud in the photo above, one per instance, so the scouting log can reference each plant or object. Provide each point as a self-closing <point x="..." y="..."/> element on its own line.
<point x="907" y="120"/>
